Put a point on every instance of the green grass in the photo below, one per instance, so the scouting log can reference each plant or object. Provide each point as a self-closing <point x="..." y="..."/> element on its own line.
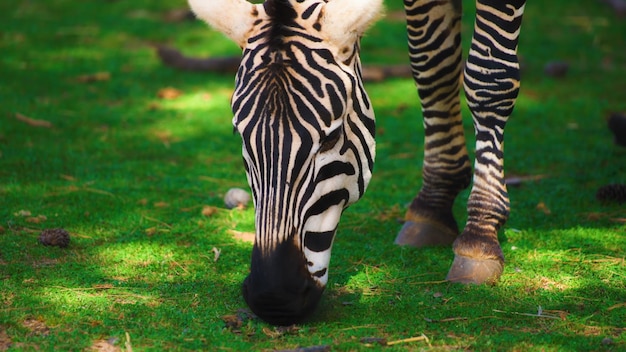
<point x="128" y="173"/>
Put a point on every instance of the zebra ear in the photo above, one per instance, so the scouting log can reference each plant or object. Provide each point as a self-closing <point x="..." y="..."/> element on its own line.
<point x="234" y="18"/>
<point x="346" y="19"/>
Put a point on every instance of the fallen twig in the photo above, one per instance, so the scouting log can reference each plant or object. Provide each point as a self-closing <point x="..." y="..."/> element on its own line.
<point x="368" y="326"/>
<point x="539" y="314"/>
<point x="429" y="282"/>
<point x="514" y="180"/>
<point x="157" y="221"/>
<point x="129" y="347"/>
<point x="619" y="305"/>
<point x="73" y="188"/>
<point x="33" y="122"/>
<point x="410" y="339"/>
<point x="321" y="348"/>
<point x="216" y="253"/>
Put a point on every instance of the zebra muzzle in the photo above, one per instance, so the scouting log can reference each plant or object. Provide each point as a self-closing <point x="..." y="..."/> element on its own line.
<point x="279" y="288"/>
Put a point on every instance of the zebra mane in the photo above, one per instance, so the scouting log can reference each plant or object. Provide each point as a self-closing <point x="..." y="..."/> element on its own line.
<point x="282" y="16"/>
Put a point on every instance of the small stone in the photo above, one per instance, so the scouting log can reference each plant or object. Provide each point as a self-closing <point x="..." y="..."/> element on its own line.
<point x="54" y="237"/>
<point x="607" y="341"/>
<point x="556" y="69"/>
<point x="374" y="340"/>
<point x="236" y="197"/>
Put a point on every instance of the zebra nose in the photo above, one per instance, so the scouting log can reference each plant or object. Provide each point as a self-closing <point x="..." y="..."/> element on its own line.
<point x="282" y="303"/>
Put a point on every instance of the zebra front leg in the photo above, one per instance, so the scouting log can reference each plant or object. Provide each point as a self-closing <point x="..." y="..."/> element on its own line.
<point x="434" y="38"/>
<point x="491" y="84"/>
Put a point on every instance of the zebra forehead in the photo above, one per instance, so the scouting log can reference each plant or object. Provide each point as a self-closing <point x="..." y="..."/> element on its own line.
<point x="288" y="18"/>
<point x="338" y="20"/>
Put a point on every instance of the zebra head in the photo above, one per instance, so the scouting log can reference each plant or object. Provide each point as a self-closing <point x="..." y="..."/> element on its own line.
<point x="307" y="128"/>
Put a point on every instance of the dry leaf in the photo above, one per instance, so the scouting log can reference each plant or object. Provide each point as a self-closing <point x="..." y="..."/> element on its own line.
<point x="169" y="93"/>
<point x="37" y="327"/>
<point x="593" y="216"/>
<point x="165" y="137"/>
<point x="151" y="231"/>
<point x="161" y="205"/>
<point x="5" y="341"/>
<point x="33" y="122"/>
<point x="543" y="208"/>
<point x="23" y="213"/>
<point x="36" y="219"/>
<point x="232" y="321"/>
<point x="94" y="77"/>
<point x="243" y="236"/>
<point x="142" y="201"/>
<point x="291" y="329"/>
<point x="560" y="313"/>
<point x="178" y="15"/>
<point x="393" y="213"/>
<point x="208" y="210"/>
<point x="104" y="346"/>
<point x="68" y="178"/>
<point x="271" y="333"/>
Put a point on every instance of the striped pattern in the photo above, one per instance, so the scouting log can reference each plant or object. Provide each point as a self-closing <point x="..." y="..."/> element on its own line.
<point x="491" y="83"/>
<point x="434" y="35"/>
<point x="307" y="128"/>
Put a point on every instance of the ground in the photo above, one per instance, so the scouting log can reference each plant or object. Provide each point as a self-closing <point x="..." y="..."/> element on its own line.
<point x="133" y="158"/>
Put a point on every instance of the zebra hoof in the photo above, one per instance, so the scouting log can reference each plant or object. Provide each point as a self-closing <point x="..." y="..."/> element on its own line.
<point x="425" y="233"/>
<point x="466" y="270"/>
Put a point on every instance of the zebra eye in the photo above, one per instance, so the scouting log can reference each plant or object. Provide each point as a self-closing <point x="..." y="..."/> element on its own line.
<point x="329" y="141"/>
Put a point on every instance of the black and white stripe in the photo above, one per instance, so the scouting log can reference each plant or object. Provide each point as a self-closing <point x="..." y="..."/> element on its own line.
<point x="307" y="128"/>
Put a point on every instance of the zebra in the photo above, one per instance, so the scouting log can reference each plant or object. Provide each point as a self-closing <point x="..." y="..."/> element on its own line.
<point x="307" y="128"/>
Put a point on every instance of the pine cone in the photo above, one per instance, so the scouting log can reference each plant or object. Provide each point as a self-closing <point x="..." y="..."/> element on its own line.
<point x="54" y="237"/>
<point x="612" y="193"/>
